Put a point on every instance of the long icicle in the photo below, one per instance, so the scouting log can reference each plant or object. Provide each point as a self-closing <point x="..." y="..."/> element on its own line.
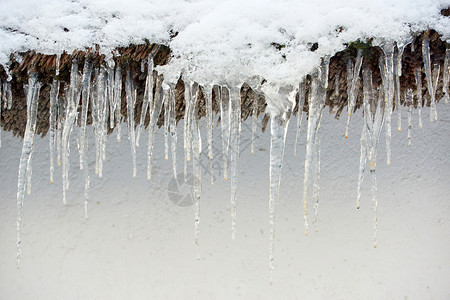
<point x="432" y="77"/>
<point x="130" y="91"/>
<point x="154" y="116"/>
<point x="301" y="103"/>
<point x="209" y="127"/>
<point x="118" y="99"/>
<point x="54" y="93"/>
<point x="316" y="179"/>
<point x="85" y="93"/>
<point x="397" y="73"/>
<point x="225" y="120"/>
<point x="148" y="99"/>
<point x="27" y="150"/>
<point x="362" y="162"/>
<point x="278" y="130"/>
<point x="352" y="81"/>
<point x="173" y="128"/>
<point x="446" y="75"/>
<point x="387" y="75"/>
<point x="187" y="112"/>
<point x="418" y="76"/>
<point x="254" y="120"/>
<point x="196" y="163"/>
<point x="409" y="102"/>
<point x="316" y="105"/>
<point x="235" y="96"/>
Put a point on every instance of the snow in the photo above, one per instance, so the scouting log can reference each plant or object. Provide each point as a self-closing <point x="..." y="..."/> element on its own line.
<point x="138" y="243"/>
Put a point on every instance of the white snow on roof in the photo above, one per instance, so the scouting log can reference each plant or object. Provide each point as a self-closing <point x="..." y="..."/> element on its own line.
<point x="218" y="41"/>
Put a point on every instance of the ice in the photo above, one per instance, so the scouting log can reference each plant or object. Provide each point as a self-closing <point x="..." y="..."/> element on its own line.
<point x="27" y="150"/>
<point x="148" y="99"/>
<point x="196" y="161"/>
<point x="301" y="102"/>
<point x="29" y="174"/>
<point x="397" y="73"/>
<point x="278" y="130"/>
<point x="352" y="86"/>
<point x="225" y="120"/>
<point x="316" y="104"/>
<point x="54" y="94"/>
<point x="207" y="93"/>
<point x="173" y="127"/>
<point x="431" y="76"/>
<point x="57" y="60"/>
<point x="130" y="91"/>
<point x="187" y="125"/>
<point x="235" y="126"/>
<point x="316" y="178"/>
<point x="446" y="75"/>
<point x="166" y="125"/>
<point x="409" y="102"/>
<point x="418" y="76"/>
<point x="118" y="99"/>
<point x="7" y="95"/>
<point x="362" y="164"/>
<point x="254" y="120"/>
<point x="387" y="76"/>
<point x="85" y="93"/>
<point x="155" y="111"/>
<point x="374" y="116"/>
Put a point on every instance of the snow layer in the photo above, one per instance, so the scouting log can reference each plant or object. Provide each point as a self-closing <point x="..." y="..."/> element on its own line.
<point x="224" y="41"/>
<point x="138" y="243"/>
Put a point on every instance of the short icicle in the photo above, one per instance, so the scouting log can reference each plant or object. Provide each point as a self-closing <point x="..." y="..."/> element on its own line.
<point x="432" y="77"/>
<point x="316" y="105"/>
<point x="27" y="150"/>
<point x="148" y="99"/>
<point x="418" y="76"/>
<point x="235" y="103"/>
<point x="301" y="103"/>
<point x="155" y="111"/>
<point x="353" y="86"/>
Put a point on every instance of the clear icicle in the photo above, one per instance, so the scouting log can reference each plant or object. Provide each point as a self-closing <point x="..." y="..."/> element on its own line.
<point x="409" y="102"/>
<point x="155" y="111"/>
<point x="374" y="116"/>
<point x="387" y="75"/>
<point x="166" y="127"/>
<point x="196" y="163"/>
<point x="71" y="112"/>
<point x="27" y="150"/>
<point x="278" y="130"/>
<point x="362" y="162"/>
<point x="316" y="105"/>
<point x="118" y="99"/>
<point x="418" y="76"/>
<point x="87" y="72"/>
<point x="209" y="127"/>
<point x="352" y="86"/>
<point x="301" y="102"/>
<point x="131" y="100"/>
<point x="58" y="58"/>
<point x="54" y="92"/>
<point x="234" y="149"/>
<point x="187" y="122"/>
<point x="225" y="120"/>
<point x="316" y="179"/>
<point x="148" y="99"/>
<point x="173" y="128"/>
<point x="446" y="76"/>
<point x="29" y="174"/>
<point x="432" y="77"/>
<point x="397" y="74"/>
<point x="254" y="120"/>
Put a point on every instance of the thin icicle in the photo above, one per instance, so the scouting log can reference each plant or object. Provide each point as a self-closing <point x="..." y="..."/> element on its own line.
<point x="432" y="77"/>
<point x="27" y="150"/>
<point x="54" y="93"/>
<point x="118" y="99"/>
<point x="409" y="102"/>
<point x="418" y="76"/>
<point x="209" y="128"/>
<point x="235" y="97"/>
<point x="148" y="99"/>
<point x="225" y="120"/>
<point x="187" y="127"/>
<point x="173" y="128"/>
<point x="301" y="103"/>
<point x="57" y="60"/>
<point x="446" y="75"/>
<point x="87" y="72"/>
<point x="397" y="74"/>
<point x="387" y="75"/>
<point x="155" y="111"/>
<point x="352" y="86"/>
<point x="362" y="162"/>
<point x="131" y="94"/>
<point x="8" y="95"/>
<point x="254" y="120"/>
<point x="166" y="126"/>
<point x="316" y="179"/>
<point x="278" y="130"/>
<point x="196" y="163"/>
<point x="316" y="105"/>
<point x="29" y="174"/>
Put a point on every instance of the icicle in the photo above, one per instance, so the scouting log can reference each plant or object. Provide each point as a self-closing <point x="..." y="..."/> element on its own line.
<point x="209" y="125"/>
<point x="54" y="92"/>
<point x="397" y="73"/>
<point x="352" y="86"/>
<point x="301" y="102"/>
<point x="196" y="163"/>
<point x="316" y="185"/>
<point x="278" y="130"/>
<point x="446" y="75"/>
<point x="57" y="61"/>
<point x="166" y="127"/>
<point x="225" y="120"/>
<point x="254" y="120"/>
<point x="71" y="112"/>
<point x="409" y="102"/>
<point x="99" y="102"/>
<point x="155" y="111"/>
<point x="418" y="75"/>
<point x="316" y="104"/>
<point x="87" y="72"/>
<point x="235" y="102"/>
<point x="387" y="75"/>
<point x="432" y="77"/>
<point x="8" y="95"/>
<point x="148" y="99"/>
<point x="29" y="174"/>
<point x="187" y="127"/>
<point x="173" y="128"/>
<point x="118" y="99"/>
<point x="27" y="150"/>
<point x="362" y="161"/>
<point x="131" y="94"/>
<point x="374" y="115"/>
